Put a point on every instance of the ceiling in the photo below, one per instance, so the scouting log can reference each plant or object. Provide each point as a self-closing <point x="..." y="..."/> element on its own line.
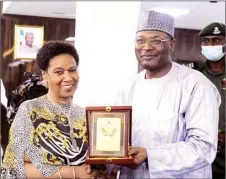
<point x="202" y="13"/>
<point x="46" y="9"/>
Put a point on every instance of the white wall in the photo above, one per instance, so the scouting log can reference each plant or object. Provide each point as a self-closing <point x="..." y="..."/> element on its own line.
<point x="5" y="6"/>
<point x="4" y="100"/>
<point x="104" y="38"/>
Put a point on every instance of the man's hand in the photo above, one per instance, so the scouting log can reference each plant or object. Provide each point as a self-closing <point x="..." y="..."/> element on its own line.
<point x="139" y="154"/>
<point x="99" y="172"/>
<point x="85" y="171"/>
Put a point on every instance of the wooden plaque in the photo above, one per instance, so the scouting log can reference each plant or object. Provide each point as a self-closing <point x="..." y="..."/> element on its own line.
<point x="109" y="134"/>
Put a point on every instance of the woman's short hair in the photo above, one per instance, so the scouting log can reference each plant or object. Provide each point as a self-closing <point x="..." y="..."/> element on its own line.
<point x="54" y="48"/>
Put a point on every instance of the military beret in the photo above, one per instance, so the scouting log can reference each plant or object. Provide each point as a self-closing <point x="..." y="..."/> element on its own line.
<point x="213" y="29"/>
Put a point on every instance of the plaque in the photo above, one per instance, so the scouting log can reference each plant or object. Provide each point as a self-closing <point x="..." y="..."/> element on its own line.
<point x="109" y="134"/>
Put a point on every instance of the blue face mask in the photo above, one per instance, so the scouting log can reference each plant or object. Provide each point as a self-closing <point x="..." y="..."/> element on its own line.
<point x="213" y="53"/>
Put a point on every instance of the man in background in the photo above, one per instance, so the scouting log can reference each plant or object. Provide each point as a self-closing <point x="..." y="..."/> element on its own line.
<point x="213" y="48"/>
<point x="29" y="47"/>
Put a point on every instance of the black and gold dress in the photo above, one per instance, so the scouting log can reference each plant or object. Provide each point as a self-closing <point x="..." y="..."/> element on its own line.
<point x="41" y="130"/>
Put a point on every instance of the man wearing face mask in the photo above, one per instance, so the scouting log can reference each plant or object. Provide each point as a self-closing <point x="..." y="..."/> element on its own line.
<point x="213" y="48"/>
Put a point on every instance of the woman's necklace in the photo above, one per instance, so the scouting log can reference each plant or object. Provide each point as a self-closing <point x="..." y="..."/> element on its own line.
<point x="74" y="143"/>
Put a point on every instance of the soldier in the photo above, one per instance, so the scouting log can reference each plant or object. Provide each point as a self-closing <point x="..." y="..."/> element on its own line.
<point x="213" y="48"/>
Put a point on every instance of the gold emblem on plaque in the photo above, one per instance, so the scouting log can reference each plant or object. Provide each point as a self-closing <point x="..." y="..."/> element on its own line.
<point x="108" y="132"/>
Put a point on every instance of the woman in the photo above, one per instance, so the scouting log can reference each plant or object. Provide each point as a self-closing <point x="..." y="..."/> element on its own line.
<point x="48" y="135"/>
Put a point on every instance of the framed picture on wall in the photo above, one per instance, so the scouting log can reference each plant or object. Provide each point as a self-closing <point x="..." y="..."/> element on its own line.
<point x="27" y="41"/>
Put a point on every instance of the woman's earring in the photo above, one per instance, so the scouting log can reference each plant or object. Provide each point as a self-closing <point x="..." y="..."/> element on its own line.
<point x="45" y="83"/>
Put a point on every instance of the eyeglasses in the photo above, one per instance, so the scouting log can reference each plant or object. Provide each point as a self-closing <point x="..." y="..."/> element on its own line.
<point x="152" y="42"/>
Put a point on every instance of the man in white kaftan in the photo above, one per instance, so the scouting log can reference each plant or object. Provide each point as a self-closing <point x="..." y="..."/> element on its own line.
<point x="175" y="109"/>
